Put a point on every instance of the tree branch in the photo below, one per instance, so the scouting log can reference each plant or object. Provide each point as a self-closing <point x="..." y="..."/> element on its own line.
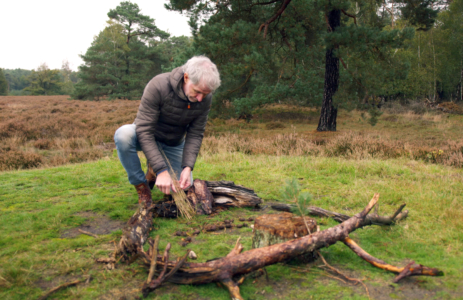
<point x="279" y="12"/>
<point x="349" y="15"/>
<point x="409" y="270"/>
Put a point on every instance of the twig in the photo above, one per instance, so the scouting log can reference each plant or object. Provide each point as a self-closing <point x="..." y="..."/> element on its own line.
<point x="64" y="285"/>
<point x="154" y="284"/>
<point x="153" y="259"/>
<point x="397" y="212"/>
<point x="88" y="233"/>
<point x="344" y="275"/>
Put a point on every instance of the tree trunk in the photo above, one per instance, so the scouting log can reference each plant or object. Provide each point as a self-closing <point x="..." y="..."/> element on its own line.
<point x="329" y="112"/>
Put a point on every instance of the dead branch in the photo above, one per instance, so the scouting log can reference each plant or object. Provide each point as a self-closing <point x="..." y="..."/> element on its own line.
<point x="278" y="13"/>
<point x="62" y="286"/>
<point x="154" y="254"/>
<point x="371" y="219"/>
<point x="223" y="269"/>
<point x="333" y="269"/>
<point x="154" y="284"/>
<point x="409" y="270"/>
<point x="88" y="233"/>
<point x="136" y="232"/>
<point x="226" y="193"/>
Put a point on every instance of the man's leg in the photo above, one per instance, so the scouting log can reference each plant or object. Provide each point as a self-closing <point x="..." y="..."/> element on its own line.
<point x="127" y="146"/>
<point x="175" y="155"/>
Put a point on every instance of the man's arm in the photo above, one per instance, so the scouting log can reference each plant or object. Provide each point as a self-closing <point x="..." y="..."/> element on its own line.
<point x="194" y="138"/>
<point x="146" y="120"/>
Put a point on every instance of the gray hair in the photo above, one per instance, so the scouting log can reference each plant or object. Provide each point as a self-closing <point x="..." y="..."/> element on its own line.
<point x="201" y="69"/>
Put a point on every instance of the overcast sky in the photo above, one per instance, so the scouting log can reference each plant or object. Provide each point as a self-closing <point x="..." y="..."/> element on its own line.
<point x="50" y="31"/>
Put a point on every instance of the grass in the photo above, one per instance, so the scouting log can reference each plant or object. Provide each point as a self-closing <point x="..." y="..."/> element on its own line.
<point x="38" y="206"/>
<point x="411" y="156"/>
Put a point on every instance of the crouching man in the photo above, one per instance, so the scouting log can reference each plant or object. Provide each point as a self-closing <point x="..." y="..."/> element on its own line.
<point x="169" y="127"/>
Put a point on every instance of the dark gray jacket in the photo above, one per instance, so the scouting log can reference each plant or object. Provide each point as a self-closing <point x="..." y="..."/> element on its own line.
<point x="166" y="115"/>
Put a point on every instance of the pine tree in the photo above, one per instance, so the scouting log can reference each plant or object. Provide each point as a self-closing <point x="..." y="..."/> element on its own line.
<point x="3" y="84"/>
<point x="120" y="59"/>
<point x="271" y="51"/>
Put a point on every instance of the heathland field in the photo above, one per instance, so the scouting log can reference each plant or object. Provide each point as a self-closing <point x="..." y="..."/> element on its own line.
<point x="59" y="173"/>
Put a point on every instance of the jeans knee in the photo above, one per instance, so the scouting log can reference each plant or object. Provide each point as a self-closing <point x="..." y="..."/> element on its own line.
<point x="124" y="136"/>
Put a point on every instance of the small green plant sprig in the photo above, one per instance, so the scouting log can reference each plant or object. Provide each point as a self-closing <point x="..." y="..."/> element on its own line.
<point x="291" y="192"/>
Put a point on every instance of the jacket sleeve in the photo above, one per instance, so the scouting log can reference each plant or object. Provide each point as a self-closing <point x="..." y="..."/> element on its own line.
<point x="146" y="120"/>
<point x="194" y="138"/>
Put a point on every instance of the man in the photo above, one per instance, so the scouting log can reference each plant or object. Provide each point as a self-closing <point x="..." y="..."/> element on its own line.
<point x="169" y="127"/>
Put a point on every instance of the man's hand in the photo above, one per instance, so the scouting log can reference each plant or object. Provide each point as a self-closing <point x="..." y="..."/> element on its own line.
<point x="164" y="182"/>
<point x="185" y="178"/>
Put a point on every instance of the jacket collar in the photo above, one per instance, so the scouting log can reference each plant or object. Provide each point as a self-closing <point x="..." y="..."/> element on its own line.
<point x="176" y="81"/>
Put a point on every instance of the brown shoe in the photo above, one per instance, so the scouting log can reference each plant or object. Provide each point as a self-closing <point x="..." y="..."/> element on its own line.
<point x="144" y="194"/>
<point x="150" y="176"/>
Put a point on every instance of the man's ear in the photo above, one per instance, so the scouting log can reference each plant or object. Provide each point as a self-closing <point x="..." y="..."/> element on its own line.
<point x="185" y="77"/>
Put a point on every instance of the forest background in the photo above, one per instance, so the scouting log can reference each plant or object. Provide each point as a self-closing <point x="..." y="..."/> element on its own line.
<point x="274" y="52"/>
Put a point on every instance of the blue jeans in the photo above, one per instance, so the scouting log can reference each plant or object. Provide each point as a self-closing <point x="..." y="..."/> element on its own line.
<point x="127" y="146"/>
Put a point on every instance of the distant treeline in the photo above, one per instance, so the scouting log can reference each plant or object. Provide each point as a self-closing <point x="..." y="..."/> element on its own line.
<point x="42" y="81"/>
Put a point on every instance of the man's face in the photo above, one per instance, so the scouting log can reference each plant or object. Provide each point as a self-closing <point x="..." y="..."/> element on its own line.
<point x="194" y="92"/>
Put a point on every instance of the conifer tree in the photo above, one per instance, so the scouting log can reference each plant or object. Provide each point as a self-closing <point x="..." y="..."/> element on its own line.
<point x="3" y="84"/>
<point x="269" y="51"/>
<point x="119" y="61"/>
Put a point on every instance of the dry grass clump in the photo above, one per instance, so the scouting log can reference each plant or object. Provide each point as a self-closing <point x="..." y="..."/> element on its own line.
<point x="350" y="145"/>
<point x="274" y="125"/>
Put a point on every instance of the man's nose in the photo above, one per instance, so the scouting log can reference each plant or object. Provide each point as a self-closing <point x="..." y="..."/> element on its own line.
<point x="199" y="97"/>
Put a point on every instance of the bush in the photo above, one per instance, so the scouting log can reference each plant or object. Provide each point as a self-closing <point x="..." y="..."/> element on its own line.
<point x="43" y="144"/>
<point x="14" y="160"/>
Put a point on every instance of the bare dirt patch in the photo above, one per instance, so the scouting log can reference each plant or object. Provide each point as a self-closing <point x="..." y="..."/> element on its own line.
<point x="95" y="223"/>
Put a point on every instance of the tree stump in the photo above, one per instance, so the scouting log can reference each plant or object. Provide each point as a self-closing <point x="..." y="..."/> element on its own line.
<point x="279" y="228"/>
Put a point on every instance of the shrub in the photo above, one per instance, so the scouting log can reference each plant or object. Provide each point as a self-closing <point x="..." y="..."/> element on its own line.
<point x="14" y="160"/>
<point x="43" y="144"/>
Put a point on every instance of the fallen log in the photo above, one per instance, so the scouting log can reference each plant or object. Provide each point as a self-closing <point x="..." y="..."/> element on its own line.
<point x="206" y="195"/>
<point x="225" y="270"/>
<point x="226" y="193"/>
<point x="371" y="219"/>
<point x="135" y="232"/>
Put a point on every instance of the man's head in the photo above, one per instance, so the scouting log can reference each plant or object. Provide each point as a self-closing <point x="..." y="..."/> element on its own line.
<point x="201" y="78"/>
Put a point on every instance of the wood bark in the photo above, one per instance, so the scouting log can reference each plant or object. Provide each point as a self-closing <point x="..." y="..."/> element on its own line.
<point x="200" y="197"/>
<point x="135" y="233"/>
<point x="329" y="113"/>
<point x="226" y="193"/>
